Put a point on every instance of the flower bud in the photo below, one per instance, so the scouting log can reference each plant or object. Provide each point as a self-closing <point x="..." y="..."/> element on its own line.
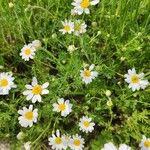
<point x="36" y="43"/>
<point x="11" y="5"/>
<point x="108" y="93"/>
<point x="20" y="135"/>
<point x="109" y="103"/>
<point x="54" y="35"/>
<point x="94" y="24"/>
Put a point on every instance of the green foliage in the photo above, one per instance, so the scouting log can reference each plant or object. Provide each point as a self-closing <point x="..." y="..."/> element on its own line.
<point x="121" y="30"/>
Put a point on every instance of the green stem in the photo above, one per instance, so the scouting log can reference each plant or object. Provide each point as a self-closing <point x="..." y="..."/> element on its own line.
<point x="38" y="138"/>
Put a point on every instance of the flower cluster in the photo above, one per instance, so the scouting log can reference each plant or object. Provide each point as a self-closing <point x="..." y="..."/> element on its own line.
<point x="78" y="27"/>
<point x="61" y="142"/>
<point x="35" y="91"/>
<point x="144" y="145"/>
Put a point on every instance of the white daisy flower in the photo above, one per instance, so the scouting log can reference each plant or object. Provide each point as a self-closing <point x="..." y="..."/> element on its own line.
<point x="86" y="125"/>
<point x="136" y="81"/>
<point x="68" y="27"/>
<point x="62" y="106"/>
<point x="79" y="27"/>
<point x="57" y="141"/>
<point x="27" y="145"/>
<point x="145" y="143"/>
<point x="81" y="6"/>
<point x="36" y="44"/>
<point x="76" y="142"/>
<point x="6" y="83"/>
<point x="28" y="52"/>
<point x="111" y="146"/>
<point x="34" y="91"/>
<point x="71" y="48"/>
<point x="28" y="116"/>
<point x="88" y="75"/>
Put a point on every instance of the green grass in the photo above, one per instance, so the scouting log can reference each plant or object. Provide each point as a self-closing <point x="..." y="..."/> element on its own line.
<point x="121" y="30"/>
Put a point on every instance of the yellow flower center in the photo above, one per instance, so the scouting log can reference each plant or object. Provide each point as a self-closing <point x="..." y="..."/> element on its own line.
<point x="29" y="115"/>
<point x="76" y="142"/>
<point x="67" y="28"/>
<point x="3" y="82"/>
<point x="85" y="3"/>
<point x="86" y="124"/>
<point x="147" y="143"/>
<point x="58" y="140"/>
<point x="87" y="73"/>
<point x="135" y="79"/>
<point x="27" y="51"/>
<point x="62" y="107"/>
<point x="37" y="89"/>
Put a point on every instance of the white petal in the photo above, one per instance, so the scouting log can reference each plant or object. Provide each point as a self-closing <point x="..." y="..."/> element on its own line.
<point x="91" y="67"/>
<point x="27" y="92"/>
<point x="87" y="11"/>
<point x="29" y="96"/>
<point x="94" y="2"/>
<point x="21" y="112"/>
<point x="45" y="85"/>
<point x="57" y="133"/>
<point x="36" y="98"/>
<point x="95" y="74"/>
<point x="45" y="91"/>
<point x="28" y="86"/>
<point x="61" y="100"/>
<point x="141" y="75"/>
<point x="34" y="81"/>
<point x="31" y="107"/>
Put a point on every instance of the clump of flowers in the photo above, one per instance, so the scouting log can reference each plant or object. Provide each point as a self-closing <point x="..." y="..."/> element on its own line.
<point x="34" y="91"/>
<point x="136" y="81"/>
<point x="28" y="116"/>
<point x="6" y="83"/>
